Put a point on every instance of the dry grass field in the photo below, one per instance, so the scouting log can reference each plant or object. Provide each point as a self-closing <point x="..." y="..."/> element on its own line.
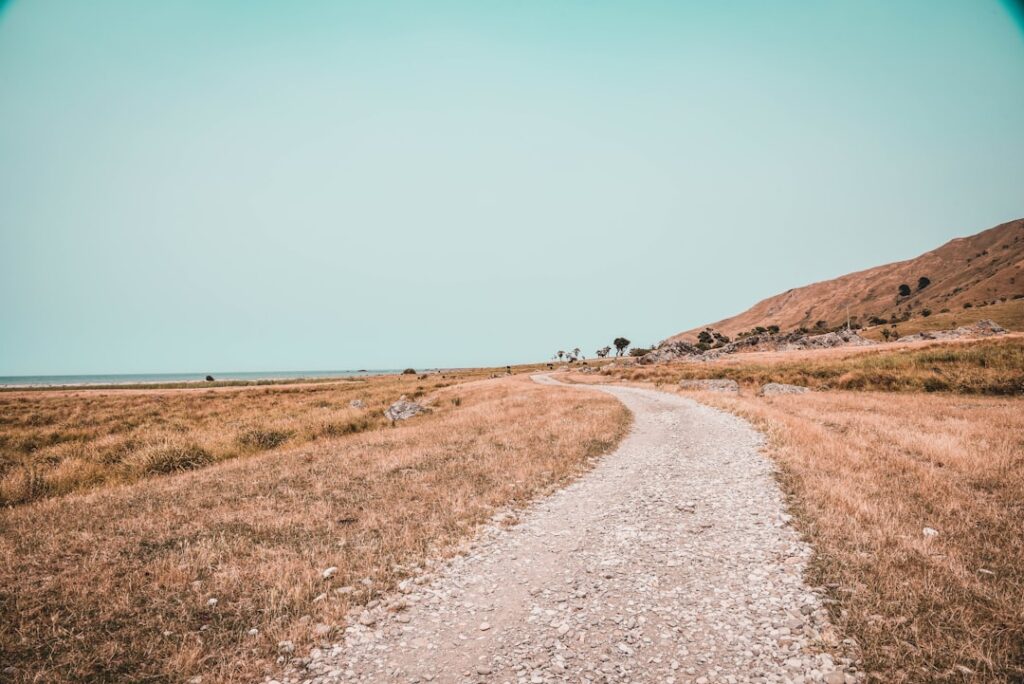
<point x="56" y="441"/>
<point x="867" y="471"/>
<point x="990" y="366"/>
<point x="1009" y="314"/>
<point x="156" y="576"/>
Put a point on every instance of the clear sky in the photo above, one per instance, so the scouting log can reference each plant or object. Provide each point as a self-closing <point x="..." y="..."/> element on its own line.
<point x="204" y="186"/>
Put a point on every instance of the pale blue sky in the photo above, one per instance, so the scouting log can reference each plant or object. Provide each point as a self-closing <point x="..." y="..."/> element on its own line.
<point x="194" y="186"/>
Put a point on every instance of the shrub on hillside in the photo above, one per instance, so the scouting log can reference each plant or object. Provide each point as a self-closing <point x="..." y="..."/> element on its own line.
<point x="261" y="439"/>
<point x="170" y="458"/>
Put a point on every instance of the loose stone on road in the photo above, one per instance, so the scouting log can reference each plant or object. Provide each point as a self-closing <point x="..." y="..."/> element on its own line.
<point x="671" y="561"/>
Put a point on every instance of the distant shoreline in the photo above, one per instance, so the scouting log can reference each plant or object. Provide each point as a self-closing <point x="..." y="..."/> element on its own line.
<point x="133" y="379"/>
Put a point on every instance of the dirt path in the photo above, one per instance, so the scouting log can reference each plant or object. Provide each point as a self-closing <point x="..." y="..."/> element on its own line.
<point x="671" y="561"/>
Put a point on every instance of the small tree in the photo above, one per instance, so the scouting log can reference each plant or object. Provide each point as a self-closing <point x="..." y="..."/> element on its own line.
<point x="904" y="290"/>
<point x="560" y="354"/>
<point x="886" y="334"/>
<point x="926" y="312"/>
<point x="620" y="345"/>
<point x="576" y="352"/>
<point x="603" y="352"/>
<point x="923" y="282"/>
<point x="821" y="325"/>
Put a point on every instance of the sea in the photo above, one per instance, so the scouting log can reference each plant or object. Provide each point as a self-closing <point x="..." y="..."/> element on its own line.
<point x="148" y="378"/>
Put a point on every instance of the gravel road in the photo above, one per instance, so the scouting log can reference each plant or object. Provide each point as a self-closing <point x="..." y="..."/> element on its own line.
<point x="671" y="561"/>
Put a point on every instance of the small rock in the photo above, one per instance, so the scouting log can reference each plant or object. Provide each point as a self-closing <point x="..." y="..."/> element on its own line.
<point x="835" y="677"/>
<point x="357" y="404"/>
<point x="776" y="388"/>
<point x="212" y="602"/>
<point x="403" y="409"/>
<point x="712" y="385"/>
<point x="367" y="618"/>
<point x="329" y="572"/>
<point x="286" y="647"/>
<point x="484" y="626"/>
<point x="929" y="532"/>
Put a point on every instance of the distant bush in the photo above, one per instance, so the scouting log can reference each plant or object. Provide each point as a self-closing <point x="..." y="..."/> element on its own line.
<point x="904" y="290"/>
<point x="260" y="439"/>
<point x="875" y="320"/>
<point x="409" y="371"/>
<point x="175" y="457"/>
<point x="926" y="312"/>
<point x="639" y="351"/>
<point x="773" y="329"/>
<point x="923" y="282"/>
<point x="968" y="305"/>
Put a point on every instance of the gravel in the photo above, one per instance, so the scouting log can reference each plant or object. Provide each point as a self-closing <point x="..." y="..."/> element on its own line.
<point x="671" y="561"/>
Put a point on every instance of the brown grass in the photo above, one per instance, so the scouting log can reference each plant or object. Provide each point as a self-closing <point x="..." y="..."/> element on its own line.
<point x="866" y="473"/>
<point x="991" y="366"/>
<point x="114" y="584"/>
<point x="58" y="441"/>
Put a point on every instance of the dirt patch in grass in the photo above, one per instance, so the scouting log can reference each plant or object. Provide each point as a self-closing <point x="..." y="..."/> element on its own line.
<point x="118" y="583"/>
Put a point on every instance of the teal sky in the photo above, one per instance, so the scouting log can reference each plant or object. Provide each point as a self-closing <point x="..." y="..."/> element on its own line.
<point x="202" y="186"/>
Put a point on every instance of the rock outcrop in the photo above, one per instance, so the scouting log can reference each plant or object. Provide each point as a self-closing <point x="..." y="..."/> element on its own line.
<point x="983" y="328"/>
<point x="775" y="388"/>
<point x="403" y="409"/>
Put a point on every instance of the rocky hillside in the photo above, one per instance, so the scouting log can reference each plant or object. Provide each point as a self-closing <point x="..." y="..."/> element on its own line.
<point x="965" y="272"/>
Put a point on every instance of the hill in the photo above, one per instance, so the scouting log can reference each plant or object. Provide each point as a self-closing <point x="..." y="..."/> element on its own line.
<point x="964" y="273"/>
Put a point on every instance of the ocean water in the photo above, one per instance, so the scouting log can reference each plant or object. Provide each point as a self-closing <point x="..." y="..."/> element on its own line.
<point x="146" y="378"/>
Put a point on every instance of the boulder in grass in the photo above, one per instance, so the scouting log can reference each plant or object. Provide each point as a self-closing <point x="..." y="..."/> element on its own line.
<point x="711" y="385"/>
<point x="403" y="409"/>
<point x="357" y="404"/>
<point x="775" y="388"/>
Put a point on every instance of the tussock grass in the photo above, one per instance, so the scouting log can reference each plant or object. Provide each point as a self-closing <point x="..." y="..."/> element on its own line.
<point x="994" y="367"/>
<point x="114" y="584"/>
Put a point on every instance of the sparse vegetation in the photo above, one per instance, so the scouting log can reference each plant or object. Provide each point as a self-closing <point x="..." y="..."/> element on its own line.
<point x="620" y="345"/>
<point x="904" y="290"/>
<point x="980" y="367"/>
<point x="53" y="442"/>
<point x="923" y="282"/>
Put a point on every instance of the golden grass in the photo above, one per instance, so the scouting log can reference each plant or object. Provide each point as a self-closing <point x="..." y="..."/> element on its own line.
<point x="1009" y="314"/>
<point x="114" y="584"/>
<point x="866" y="473"/>
<point x="57" y="441"/>
<point x="990" y="366"/>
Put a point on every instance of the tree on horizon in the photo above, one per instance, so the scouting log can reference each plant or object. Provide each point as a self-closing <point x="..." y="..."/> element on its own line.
<point x="620" y="345"/>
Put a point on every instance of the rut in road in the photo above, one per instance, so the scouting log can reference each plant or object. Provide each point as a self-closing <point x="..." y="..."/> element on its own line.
<point x="670" y="561"/>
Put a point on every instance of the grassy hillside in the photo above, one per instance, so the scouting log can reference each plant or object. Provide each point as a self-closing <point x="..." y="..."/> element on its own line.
<point x="1009" y="314"/>
<point x="983" y="268"/>
<point x="992" y="366"/>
